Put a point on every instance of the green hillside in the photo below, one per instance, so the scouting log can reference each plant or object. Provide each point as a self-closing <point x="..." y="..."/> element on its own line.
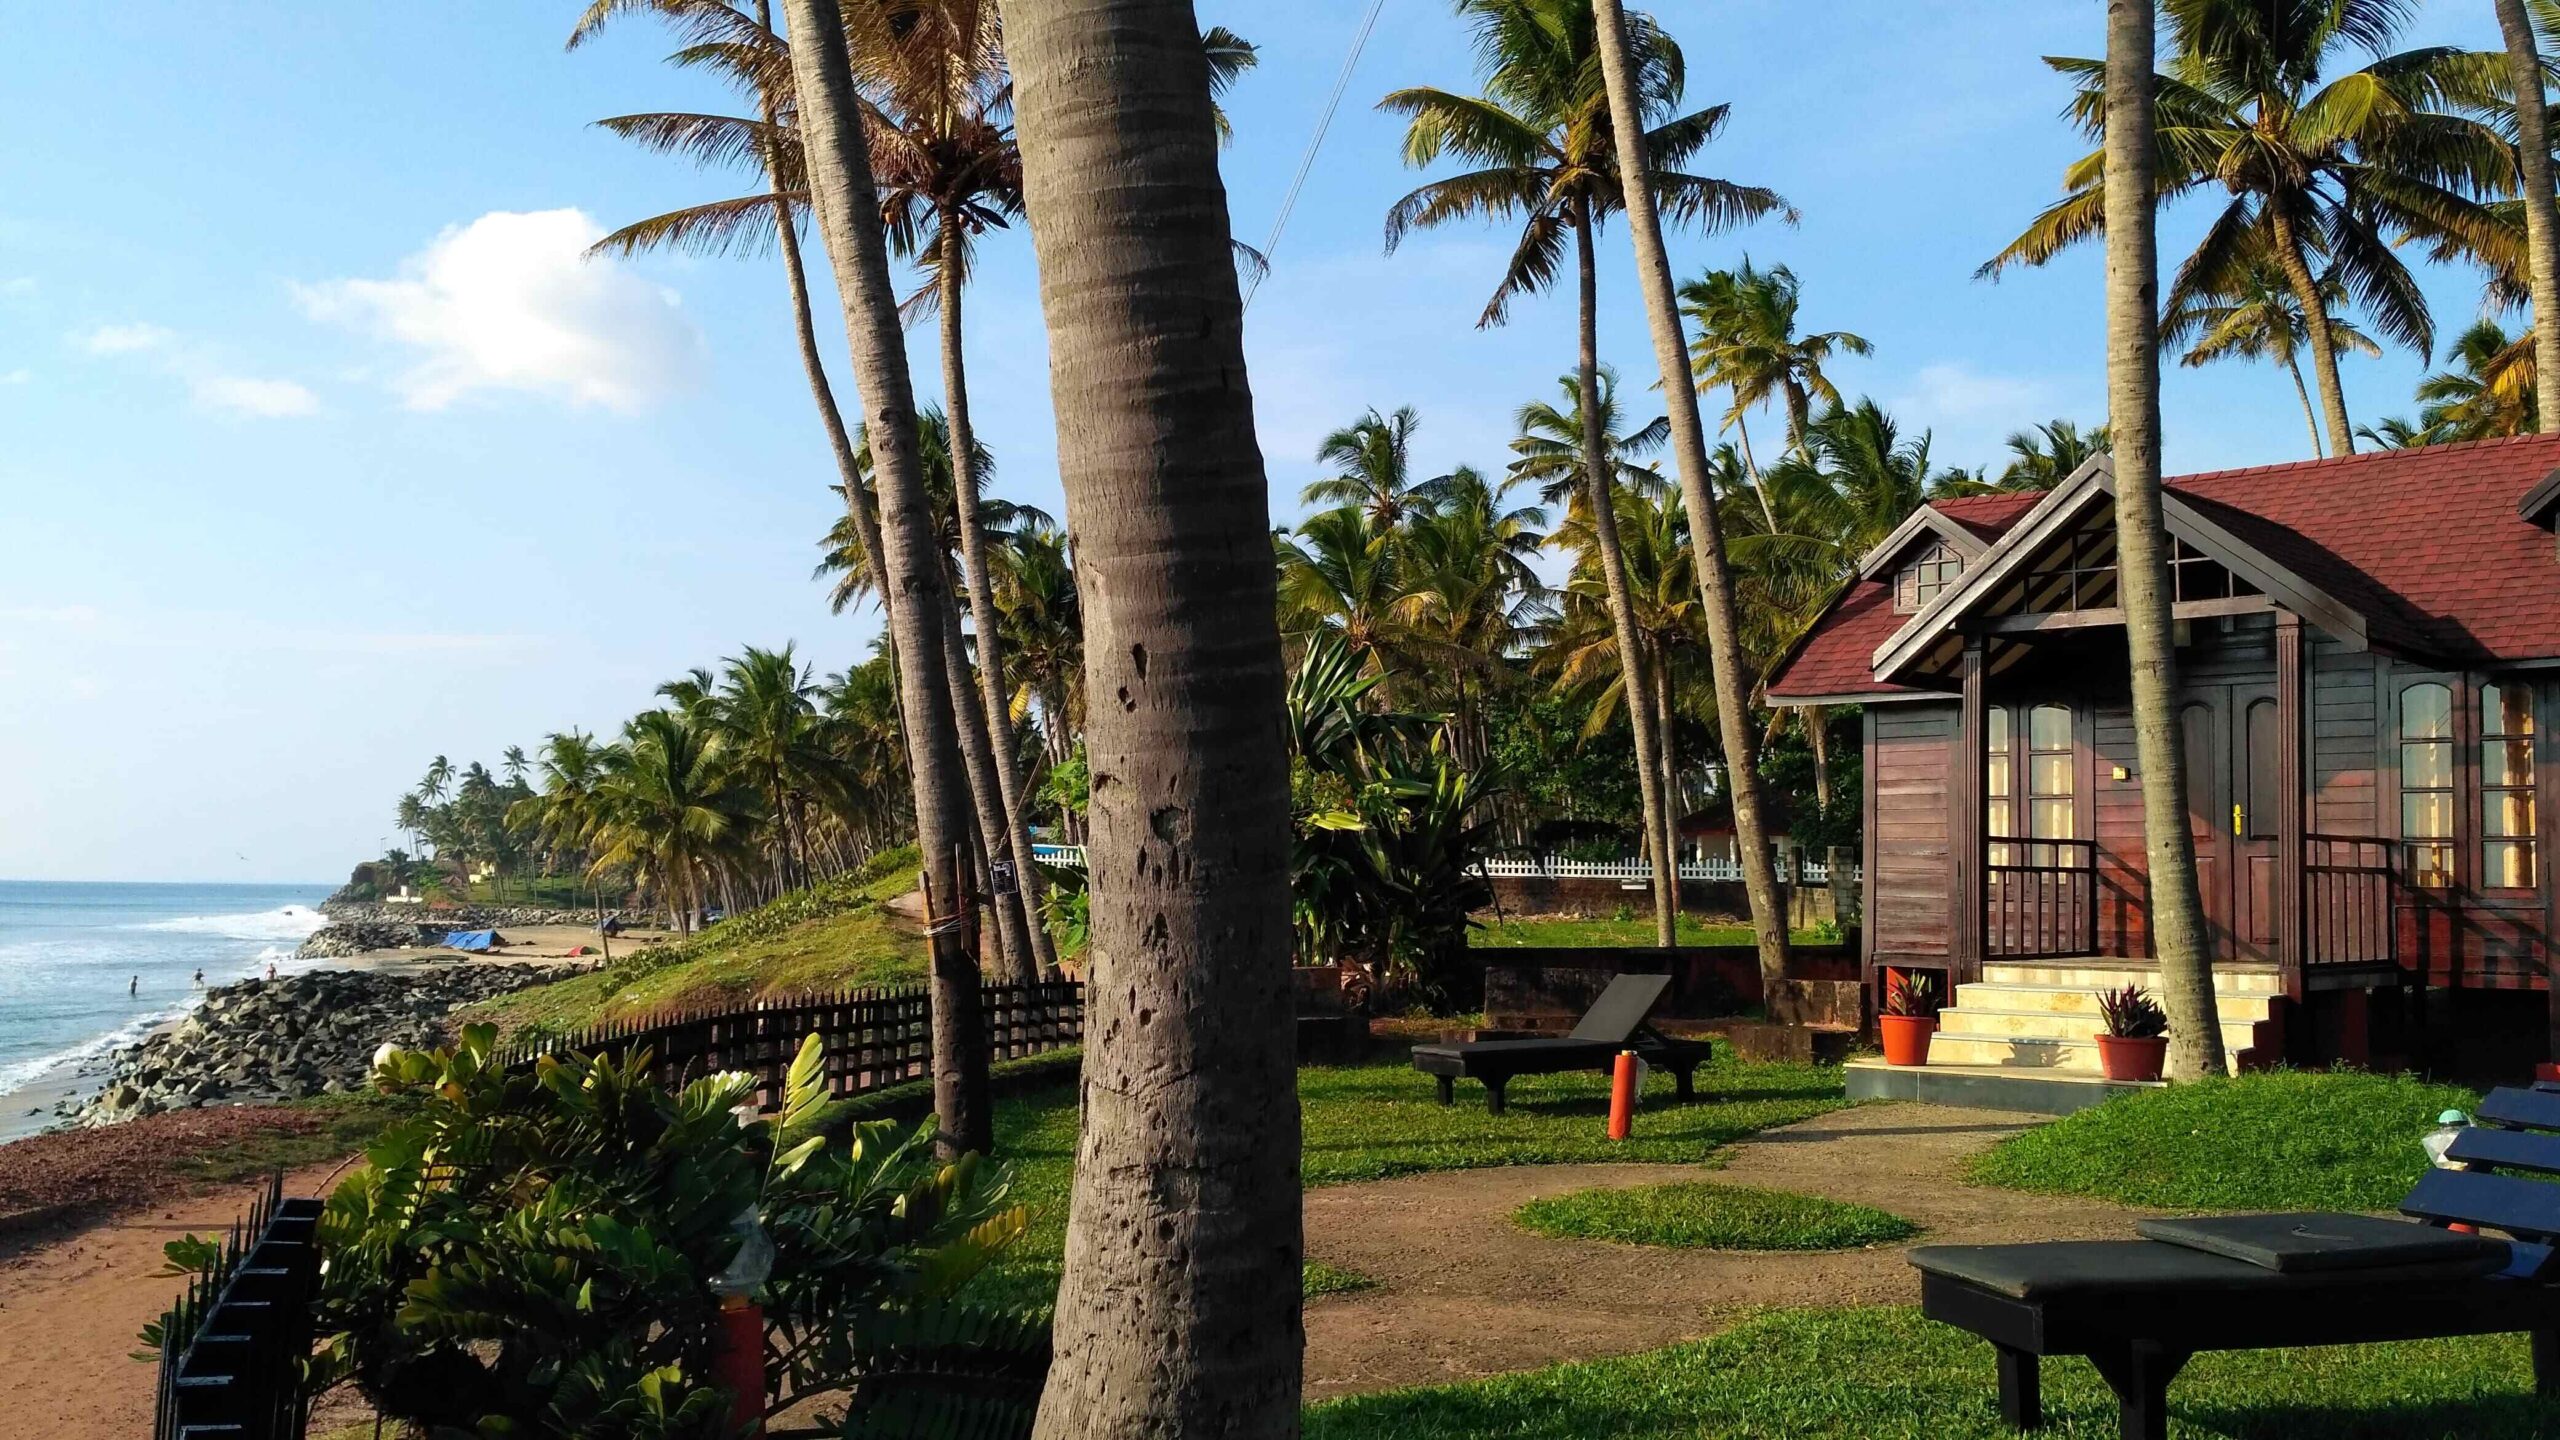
<point x="836" y="934"/>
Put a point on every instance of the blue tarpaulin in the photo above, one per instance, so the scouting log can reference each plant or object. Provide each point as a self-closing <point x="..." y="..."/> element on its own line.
<point x="478" y="942"/>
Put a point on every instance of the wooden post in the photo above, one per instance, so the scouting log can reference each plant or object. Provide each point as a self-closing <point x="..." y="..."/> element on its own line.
<point x="1966" y="846"/>
<point x="2292" y="725"/>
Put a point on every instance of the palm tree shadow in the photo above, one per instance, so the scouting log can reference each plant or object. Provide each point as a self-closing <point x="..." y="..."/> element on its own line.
<point x="2486" y="1417"/>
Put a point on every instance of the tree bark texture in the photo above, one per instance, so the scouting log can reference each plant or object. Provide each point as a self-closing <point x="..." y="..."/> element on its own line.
<point x="1179" y="1314"/>
<point x="1601" y="486"/>
<point x="1013" y="841"/>
<point x="1733" y="678"/>
<point x="909" y="558"/>
<point x="2183" y="946"/>
<point x="1016" y="961"/>
<point x="2541" y="218"/>
<point x="2297" y="275"/>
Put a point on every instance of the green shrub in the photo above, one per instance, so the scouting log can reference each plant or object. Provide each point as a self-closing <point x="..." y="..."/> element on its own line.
<point x="853" y="890"/>
<point x="534" y="1252"/>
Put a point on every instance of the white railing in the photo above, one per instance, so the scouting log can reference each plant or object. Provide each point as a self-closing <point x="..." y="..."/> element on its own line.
<point x="1808" y="871"/>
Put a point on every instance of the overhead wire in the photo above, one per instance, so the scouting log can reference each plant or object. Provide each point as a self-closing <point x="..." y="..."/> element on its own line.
<point x="1315" y="142"/>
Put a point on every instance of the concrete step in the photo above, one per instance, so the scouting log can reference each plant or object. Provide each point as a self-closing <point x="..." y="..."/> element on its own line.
<point x="2104" y="974"/>
<point x="1986" y="1087"/>
<point x="2026" y="1053"/>
<point x="2083" y="1000"/>
<point x="2056" y="1025"/>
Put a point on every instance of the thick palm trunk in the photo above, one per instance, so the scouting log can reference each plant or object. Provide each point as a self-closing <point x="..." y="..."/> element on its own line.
<point x="1016" y="961"/>
<point x="1013" y="841"/>
<point x="2315" y="311"/>
<point x="2178" y="934"/>
<point x="1602" y="488"/>
<point x="2541" y="218"/>
<point x="1179" y="1314"/>
<point x="1733" y="679"/>
<point x="909" y="559"/>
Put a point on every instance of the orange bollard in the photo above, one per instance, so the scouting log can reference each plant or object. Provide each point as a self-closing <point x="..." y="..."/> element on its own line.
<point x="1622" y="1097"/>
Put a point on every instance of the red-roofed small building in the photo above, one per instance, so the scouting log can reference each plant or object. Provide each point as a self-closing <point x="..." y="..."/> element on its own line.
<point x="2369" y="653"/>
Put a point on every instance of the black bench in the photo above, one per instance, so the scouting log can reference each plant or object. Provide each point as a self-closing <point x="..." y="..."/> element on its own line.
<point x="2138" y="1309"/>
<point x="1615" y="1022"/>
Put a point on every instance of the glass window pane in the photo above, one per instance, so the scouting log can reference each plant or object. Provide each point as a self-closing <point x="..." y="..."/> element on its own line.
<point x="2507" y="864"/>
<point x="2426" y="815"/>
<point x="2506" y="762"/>
<point x="1995" y="728"/>
<point x="1995" y="775"/>
<point x="2507" y="812"/>
<point x="2426" y="713"/>
<point x="2506" y="709"/>
<point x="2049" y="775"/>
<point x="2427" y="765"/>
<point x="2049" y="728"/>
<point x="2431" y="865"/>
<point x="2052" y="819"/>
<point x="1995" y="817"/>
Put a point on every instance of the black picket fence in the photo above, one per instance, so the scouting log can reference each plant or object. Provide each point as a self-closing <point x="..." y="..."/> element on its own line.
<point x="871" y="1038"/>
<point x="232" y="1348"/>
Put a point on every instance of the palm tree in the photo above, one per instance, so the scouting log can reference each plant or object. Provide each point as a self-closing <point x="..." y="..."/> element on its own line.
<point x="1179" y="1312"/>
<point x="2317" y="173"/>
<point x="2256" y="317"/>
<point x="1371" y="459"/>
<point x="1577" y="644"/>
<point x="1043" y="623"/>
<point x="943" y="152"/>
<point x="1540" y="137"/>
<point x="1550" y="445"/>
<point x="766" y="716"/>
<point x="1623" y="73"/>
<point x="1339" y="572"/>
<point x="1747" y="343"/>
<point x="1471" y="596"/>
<point x="2394" y="432"/>
<point x="2040" y="457"/>
<point x="2132" y="152"/>
<point x="2541" y="216"/>
<point x="667" y="809"/>
<point x="563" y="814"/>
<point x="838" y="164"/>
<point x="2487" y="392"/>
<point x="438" y="778"/>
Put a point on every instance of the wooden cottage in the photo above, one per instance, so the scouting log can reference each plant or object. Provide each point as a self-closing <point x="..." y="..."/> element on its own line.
<point x="2368" y="657"/>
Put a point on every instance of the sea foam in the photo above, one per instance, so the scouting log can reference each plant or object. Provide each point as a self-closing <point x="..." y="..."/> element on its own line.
<point x="293" y="922"/>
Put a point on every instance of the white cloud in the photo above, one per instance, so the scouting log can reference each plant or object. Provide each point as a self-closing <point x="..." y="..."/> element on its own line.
<point x="208" y="382"/>
<point x="17" y="285"/>
<point x="19" y="376"/>
<point x="511" y="302"/>
<point x="248" y="395"/>
<point x="1956" y="391"/>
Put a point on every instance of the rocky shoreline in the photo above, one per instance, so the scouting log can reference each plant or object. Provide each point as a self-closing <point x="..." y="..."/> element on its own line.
<point x="451" y="917"/>
<point x="264" y="1041"/>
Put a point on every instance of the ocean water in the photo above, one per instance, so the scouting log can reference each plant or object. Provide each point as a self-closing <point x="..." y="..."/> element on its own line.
<point x="87" y="968"/>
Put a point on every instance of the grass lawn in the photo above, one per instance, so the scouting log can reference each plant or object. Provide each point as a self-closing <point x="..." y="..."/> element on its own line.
<point x="348" y="1123"/>
<point x="2286" y="1140"/>
<point x="1703" y="1215"/>
<point x="1504" y="933"/>
<point x="1369" y="1122"/>
<point x="834" y="936"/>
<point x="1888" y="1374"/>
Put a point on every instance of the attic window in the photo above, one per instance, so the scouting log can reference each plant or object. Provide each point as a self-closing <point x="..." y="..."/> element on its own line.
<point x="1930" y="574"/>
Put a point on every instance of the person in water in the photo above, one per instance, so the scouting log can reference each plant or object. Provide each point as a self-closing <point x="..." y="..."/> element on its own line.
<point x="134" y="989"/>
<point x="199" y="978"/>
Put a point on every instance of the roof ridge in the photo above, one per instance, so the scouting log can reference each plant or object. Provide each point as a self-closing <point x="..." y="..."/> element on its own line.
<point x="2408" y="452"/>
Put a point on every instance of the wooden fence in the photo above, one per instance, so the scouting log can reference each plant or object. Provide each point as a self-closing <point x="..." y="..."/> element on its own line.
<point x="871" y="1038"/>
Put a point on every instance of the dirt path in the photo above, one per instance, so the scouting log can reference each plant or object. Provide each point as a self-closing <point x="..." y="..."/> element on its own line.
<point x="69" y="1312"/>
<point x="1464" y="1292"/>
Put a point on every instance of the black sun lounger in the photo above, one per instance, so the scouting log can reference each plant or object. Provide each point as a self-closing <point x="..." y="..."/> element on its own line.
<point x="1614" y="1022"/>
<point x="2139" y="1308"/>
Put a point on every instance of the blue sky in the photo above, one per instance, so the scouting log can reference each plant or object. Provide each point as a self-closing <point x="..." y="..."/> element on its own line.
<point x="320" y="454"/>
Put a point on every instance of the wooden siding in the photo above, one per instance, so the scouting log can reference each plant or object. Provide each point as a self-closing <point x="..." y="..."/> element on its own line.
<point x="1910" y="909"/>
<point x="2345" y="716"/>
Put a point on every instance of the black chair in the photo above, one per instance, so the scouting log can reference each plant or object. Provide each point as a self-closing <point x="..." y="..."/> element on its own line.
<point x="2139" y="1308"/>
<point x="1615" y="1022"/>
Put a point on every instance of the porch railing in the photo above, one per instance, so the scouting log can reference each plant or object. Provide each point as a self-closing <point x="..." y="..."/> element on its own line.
<point x="2347" y="884"/>
<point x="2039" y="897"/>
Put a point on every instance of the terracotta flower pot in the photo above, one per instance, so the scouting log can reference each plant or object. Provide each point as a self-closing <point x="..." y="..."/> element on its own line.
<point x="1906" y="1038"/>
<point x="2132" y="1057"/>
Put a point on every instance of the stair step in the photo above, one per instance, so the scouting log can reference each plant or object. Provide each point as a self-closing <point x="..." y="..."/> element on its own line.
<point x="2079" y="1057"/>
<point x="2054" y="1024"/>
<point x="2115" y="975"/>
<point x="2083" y="1000"/>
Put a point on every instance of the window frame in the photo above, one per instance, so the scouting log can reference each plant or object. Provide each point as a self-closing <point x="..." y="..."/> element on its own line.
<point x="2399" y="743"/>
<point x="2482" y="737"/>
<point x="1946" y="570"/>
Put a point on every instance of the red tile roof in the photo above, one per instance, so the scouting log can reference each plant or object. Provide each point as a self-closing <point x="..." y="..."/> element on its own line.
<point x="2425" y="543"/>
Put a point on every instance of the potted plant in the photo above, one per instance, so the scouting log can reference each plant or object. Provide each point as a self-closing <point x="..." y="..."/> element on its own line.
<point x="1910" y="1016"/>
<point x="2136" y="1041"/>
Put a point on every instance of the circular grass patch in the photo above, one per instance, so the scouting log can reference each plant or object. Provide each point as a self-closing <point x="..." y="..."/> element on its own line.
<point x="1703" y="1215"/>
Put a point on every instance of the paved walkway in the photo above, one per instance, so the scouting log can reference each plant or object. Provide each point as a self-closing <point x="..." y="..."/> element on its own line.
<point x="1464" y="1292"/>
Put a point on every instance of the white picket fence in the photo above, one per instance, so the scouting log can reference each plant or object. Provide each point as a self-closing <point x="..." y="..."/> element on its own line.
<point x="1808" y="871"/>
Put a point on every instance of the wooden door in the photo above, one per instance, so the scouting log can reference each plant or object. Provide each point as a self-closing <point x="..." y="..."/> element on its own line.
<point x="2204" y="727"/>
<point x="2257" y="811"/>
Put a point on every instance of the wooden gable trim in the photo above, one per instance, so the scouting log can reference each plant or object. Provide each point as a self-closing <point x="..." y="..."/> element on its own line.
<point x="2536" y="505"/>
<point x="1926" y="520"/>
<point x="2066" y="505"/>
